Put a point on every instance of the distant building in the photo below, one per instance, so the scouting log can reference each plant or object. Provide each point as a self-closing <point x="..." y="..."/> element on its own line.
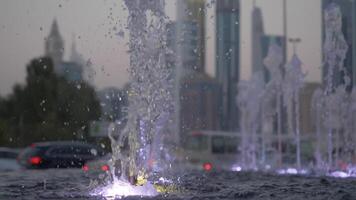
<point x="199" y="100"/>
<point x="257" y="34"/>
<point x="191" y="20"/>
<point x="196" y="94"/>
<point x="227" y="60"/>
<point x="348" y="9"/>
<point x="183" y="40"/>
<point x="307" y="124"/>
<point x="54" y="48"/>
<point x="88" y="72"/>
<point x="71" y="71"/>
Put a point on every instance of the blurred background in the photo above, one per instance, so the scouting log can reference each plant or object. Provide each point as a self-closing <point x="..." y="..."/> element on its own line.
<point x="64" y="72"/>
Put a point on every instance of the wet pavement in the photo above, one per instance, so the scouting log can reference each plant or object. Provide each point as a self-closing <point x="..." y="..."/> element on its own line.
<point x="74" y="185"/>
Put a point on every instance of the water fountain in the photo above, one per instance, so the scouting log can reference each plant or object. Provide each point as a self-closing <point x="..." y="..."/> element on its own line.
<point x="249" y="101"/>
<point x="333" y="106"/>
<point x="293" y="82"/>
<point x="257" y="100"/>
<point x="335" y="49"/>
<point x="150" y="102"/>
<point x="273" y="63"/>
<point x="316" y="115"/>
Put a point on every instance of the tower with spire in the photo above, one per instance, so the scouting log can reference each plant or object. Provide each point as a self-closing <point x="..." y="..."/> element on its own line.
<point x="75" y="56"/>
<point x="54" y="48"/>
<point x="54" y="45"/>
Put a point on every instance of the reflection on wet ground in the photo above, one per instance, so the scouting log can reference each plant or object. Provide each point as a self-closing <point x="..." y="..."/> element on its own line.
<point x="74" y="184"/>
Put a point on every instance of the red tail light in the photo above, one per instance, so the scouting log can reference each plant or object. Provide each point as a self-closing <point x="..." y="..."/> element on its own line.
<point x="105" y="168"/>
<point x="36" y="160"/>
<point x="85" y="168"/>
<point x="207" y="166"/>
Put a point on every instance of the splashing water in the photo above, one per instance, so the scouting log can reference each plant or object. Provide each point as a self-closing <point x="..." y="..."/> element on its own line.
<point x="335" y="49"/>
<point x="249" y="101"/>
<point x="150" y="97"/>
<point x="273" y="63"/>
<point x="150" y="100"/>
<point x="331" y="106"/>
<point x="293" y="83"/>
<point x="317" y="107"/>
<point x="122" y="188"/>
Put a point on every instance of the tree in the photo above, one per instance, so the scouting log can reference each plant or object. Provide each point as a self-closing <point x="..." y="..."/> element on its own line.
<point x="2" y="123"/>
<point x="48" y="107"/>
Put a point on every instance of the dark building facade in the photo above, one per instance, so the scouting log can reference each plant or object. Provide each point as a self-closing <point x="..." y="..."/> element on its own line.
<point x="199" y="99"/>
<point x="228" y="60"/>
<point x="197" y="95"/>
<point x="191" y="18"/>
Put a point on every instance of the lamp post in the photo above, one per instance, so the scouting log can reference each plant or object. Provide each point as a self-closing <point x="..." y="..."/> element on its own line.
<point x="285" y="31"/>
<point x="294" y="41"/>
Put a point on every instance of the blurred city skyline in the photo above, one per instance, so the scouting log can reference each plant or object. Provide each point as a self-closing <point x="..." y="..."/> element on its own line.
<point x="98" y="27"/>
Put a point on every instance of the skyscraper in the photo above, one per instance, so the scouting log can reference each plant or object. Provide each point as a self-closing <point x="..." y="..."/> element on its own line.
<point x="183" y="40"/>
<point x="348" y="9"/>
<point x="191" y="18"/>
<point x="257" y="33"/>
<point x="196" y="93"/>
<point x="227" y="59"/>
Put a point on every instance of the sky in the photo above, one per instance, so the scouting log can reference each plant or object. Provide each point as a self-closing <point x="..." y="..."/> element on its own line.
<point x="95" y="24"/>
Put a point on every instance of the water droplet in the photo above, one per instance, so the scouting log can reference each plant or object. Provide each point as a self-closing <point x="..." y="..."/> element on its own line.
<point x="94" y="152"/>
<point x="121" y="34"/>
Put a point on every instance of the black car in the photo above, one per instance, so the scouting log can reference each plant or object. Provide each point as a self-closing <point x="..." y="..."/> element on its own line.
<point x="58" y="155"/>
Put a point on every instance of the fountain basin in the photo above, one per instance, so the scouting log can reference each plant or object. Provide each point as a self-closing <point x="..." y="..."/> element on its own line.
<point x="73" y="185"/>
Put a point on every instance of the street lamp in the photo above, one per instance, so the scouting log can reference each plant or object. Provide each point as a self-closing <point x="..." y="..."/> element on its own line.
<point x="294" y="41"/>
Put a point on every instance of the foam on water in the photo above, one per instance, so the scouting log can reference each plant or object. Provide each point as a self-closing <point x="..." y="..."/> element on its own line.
<point x="122" y="188"/>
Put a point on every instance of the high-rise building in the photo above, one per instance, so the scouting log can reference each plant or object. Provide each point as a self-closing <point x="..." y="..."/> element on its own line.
<point x="228" y="59"/>
<point x="182" y="39"/>
<point x="191" y="19"/>
<point x="196" y="93"/>
<point x="348" y="10"/>
<point x="307" y="126"/>
<point x="199" y="100"/>
<point x="257" y="33"/>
